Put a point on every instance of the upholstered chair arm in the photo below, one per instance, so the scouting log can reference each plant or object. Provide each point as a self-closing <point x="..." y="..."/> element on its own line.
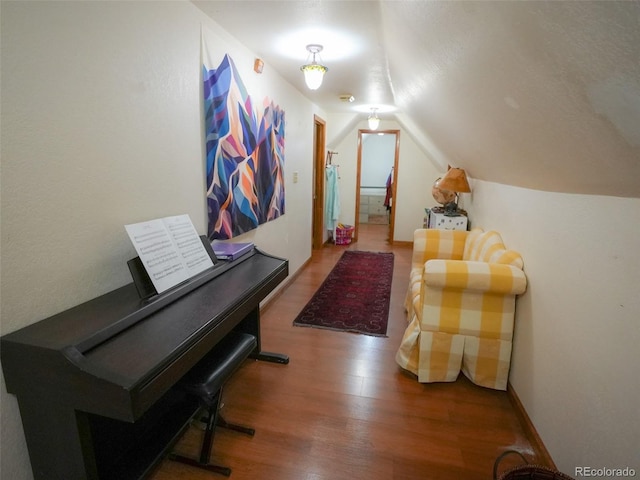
<point x="476" y="276"/>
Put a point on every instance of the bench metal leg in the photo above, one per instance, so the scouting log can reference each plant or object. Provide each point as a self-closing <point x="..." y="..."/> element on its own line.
<point x="234" y="426"/>
<point x="207" y="442"/>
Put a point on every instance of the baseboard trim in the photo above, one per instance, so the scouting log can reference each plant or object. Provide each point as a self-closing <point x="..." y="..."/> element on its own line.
<point x="402" y="243"/>
<point x="542" y="454"/>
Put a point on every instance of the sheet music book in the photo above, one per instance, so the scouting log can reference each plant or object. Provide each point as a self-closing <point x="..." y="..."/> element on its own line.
<point x="170" y="250"/>
<point x="231" y="251"/>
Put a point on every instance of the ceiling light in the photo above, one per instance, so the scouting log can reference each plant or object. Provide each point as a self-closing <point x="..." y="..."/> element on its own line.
<point x="313" y="72"/>
<point x="374" y="120"/>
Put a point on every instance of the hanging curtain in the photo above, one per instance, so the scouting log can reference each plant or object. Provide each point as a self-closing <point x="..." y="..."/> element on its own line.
<point x="331" y="199"/>
<point x="387" y="198"/>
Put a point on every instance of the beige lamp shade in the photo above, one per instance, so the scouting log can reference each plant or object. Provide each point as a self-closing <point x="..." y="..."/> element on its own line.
<point x="455" y="180"/>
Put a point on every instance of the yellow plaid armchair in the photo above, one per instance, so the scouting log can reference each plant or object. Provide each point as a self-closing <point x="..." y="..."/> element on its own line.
<point x="461" y="305"/>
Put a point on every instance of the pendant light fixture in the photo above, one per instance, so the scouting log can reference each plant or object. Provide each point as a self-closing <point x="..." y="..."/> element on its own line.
<point x="374" y="120"/>
<point x="313" y="72"/>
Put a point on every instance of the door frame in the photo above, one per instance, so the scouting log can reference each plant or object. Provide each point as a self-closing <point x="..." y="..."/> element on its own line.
<point x="394" y="184"/>
<point x="317" y="223"/>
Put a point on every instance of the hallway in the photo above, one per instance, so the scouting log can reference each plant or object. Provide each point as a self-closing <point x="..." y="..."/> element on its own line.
<point x="343" y="410"/>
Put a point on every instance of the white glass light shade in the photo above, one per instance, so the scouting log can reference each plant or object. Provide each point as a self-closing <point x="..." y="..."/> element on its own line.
<point x="313" y="74"/>
<point x="374" y="121"/>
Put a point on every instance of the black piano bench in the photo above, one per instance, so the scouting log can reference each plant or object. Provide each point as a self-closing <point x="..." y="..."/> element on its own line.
<point x="205" y="381"/>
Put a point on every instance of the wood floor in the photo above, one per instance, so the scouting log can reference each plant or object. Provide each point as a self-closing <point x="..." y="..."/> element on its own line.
<point x="342" y="409"/>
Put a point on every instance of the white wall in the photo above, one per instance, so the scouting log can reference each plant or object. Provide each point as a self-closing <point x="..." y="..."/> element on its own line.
<point x="415" y="176"/>
<point x="376" y="163"/>
<point x="101" y="127"/>
<point x="576" y="361"/>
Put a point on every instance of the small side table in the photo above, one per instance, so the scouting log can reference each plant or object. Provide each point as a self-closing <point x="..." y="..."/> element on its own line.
<point x="445" y="222"/>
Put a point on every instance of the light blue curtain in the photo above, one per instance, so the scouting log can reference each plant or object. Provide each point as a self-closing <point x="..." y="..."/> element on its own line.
<point x="331" y="199"/>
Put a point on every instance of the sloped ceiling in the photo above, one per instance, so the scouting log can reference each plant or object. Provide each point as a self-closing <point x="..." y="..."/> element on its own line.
<point x="536" y="94"/>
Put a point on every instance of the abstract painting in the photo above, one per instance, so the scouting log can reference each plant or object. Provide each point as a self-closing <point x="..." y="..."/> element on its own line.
<point x="244" y="154"/>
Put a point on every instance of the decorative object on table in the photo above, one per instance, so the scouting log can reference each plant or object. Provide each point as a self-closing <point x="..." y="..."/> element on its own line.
<point x="441" y="195"/>
<point x="455" y="180"/>
<point x="244" y="153"/>
<point x="461" y="211"/>
<point x="526" y="471"/>
<point x="354" y="297"/>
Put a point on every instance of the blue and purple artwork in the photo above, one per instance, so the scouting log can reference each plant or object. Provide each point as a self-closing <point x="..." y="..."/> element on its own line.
<point x="245" y="155"/>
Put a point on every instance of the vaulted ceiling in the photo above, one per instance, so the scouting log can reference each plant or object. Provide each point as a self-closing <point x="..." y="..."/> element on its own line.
<point x="535" y="94"/>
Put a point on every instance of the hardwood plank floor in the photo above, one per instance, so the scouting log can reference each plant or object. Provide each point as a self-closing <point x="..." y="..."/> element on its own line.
<point x="343" y="409"/>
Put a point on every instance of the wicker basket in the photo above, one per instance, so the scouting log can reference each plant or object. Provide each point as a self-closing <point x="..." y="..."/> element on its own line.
<point x="343" y="234"/>
<point x="527" y="471"/>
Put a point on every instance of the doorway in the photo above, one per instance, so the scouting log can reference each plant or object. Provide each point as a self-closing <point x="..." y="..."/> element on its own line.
<point x="377" y="171"/>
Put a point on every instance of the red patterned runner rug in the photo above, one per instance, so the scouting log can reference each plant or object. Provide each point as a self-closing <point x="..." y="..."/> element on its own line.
<point x="354" y="297"/>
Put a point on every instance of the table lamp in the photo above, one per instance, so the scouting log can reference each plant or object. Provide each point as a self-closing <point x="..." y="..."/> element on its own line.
<point x="455" y="180"/>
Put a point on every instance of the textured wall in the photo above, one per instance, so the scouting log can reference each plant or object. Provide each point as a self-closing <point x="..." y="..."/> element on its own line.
<point x="575" y="356"/>
<point x="542" y="95"/>
<point x="101" y="127"/>
<point x="537" y="94"/>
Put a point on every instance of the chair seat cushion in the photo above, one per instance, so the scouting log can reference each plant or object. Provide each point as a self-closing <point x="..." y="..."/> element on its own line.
<point x="206" y="378"/>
